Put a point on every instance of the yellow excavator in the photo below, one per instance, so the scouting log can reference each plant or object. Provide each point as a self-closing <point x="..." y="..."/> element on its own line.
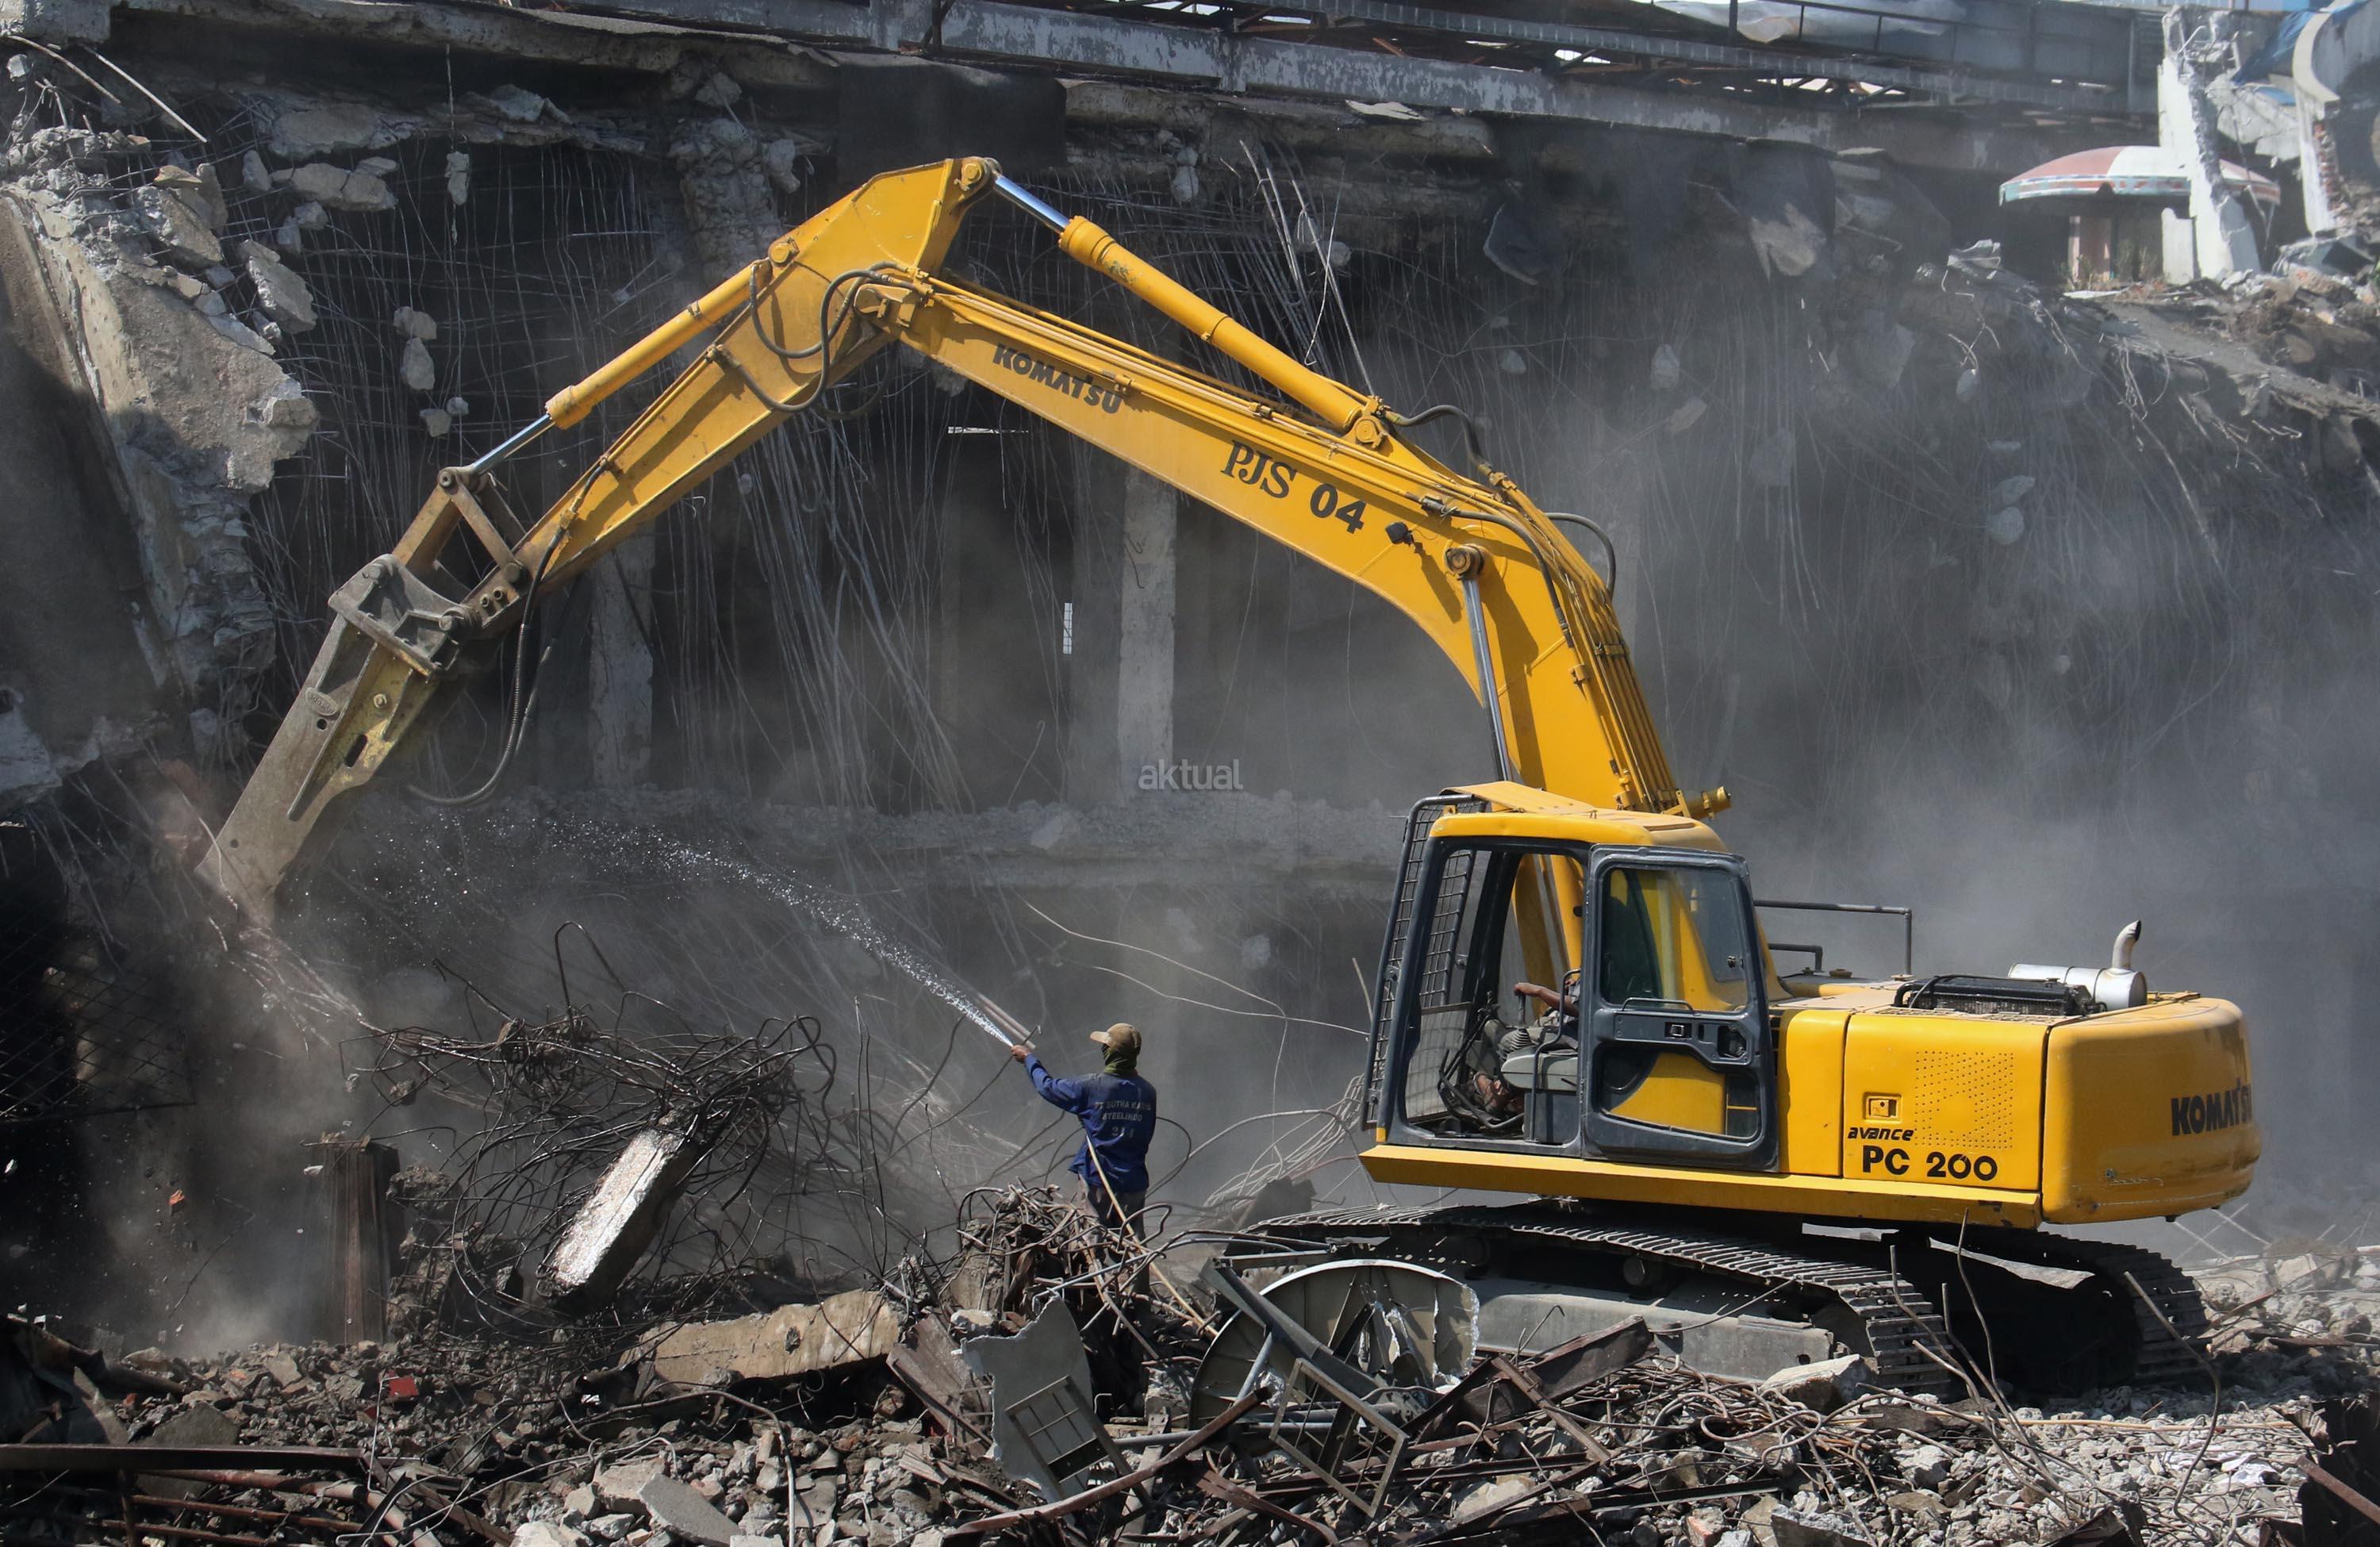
<point x="1576" y="1002"/>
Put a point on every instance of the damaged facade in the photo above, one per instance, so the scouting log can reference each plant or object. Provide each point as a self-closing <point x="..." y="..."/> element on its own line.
<point x="2037" y="609"/>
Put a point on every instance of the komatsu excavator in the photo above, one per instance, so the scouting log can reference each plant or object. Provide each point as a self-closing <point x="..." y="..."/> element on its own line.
<point x="1771" y="1167"/>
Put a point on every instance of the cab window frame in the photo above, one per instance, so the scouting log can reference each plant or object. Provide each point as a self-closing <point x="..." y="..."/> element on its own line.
<point x="1503" y="856"/>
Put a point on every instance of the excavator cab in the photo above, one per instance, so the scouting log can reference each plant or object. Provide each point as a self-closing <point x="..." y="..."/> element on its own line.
<point x="1654" y="1041"/>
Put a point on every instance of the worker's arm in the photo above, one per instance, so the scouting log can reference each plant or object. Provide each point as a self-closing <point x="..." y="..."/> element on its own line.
<point x="1065" y="1094"/>
<point x="1329" y="473"/>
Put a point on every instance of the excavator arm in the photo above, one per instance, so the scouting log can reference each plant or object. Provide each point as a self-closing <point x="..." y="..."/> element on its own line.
<point x="1330" y="472"/>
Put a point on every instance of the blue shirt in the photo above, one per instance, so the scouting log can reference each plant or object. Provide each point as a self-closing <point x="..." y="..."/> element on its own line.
<point x="1119" y="1113"/>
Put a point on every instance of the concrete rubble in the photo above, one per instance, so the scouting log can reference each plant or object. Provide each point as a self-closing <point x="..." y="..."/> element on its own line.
<point x="594" y="1433"/>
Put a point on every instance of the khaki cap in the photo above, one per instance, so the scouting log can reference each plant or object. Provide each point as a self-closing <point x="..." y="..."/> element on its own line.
<point x="1123" y="1037"/>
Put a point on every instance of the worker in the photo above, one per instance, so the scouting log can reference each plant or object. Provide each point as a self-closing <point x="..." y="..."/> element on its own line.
<point x="1119" y="1112"/>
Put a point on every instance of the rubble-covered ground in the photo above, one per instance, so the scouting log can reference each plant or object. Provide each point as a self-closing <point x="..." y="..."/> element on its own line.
<point x="577" y="1437"/>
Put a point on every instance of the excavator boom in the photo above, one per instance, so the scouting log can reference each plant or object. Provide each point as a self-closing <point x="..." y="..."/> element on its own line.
<point x="1330" y="472"/>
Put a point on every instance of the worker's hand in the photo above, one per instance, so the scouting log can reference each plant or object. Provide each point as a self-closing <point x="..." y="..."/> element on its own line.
<point x="1020" y="1050"/>
<point x="1550" y="998"/>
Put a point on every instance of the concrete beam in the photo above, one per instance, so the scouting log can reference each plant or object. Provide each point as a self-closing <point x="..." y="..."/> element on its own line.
<point x="996" y="33"/>
<point x="649" y="34"/>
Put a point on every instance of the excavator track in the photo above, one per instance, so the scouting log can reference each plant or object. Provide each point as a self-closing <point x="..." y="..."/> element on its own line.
<point x="1907" y="1336"/>
<point x="2133" y="1280"/>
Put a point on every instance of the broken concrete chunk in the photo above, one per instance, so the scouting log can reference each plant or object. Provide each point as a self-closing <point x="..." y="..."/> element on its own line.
<point x="1771" y="464"/>
<point x="281" y="293"/>
<point x="678" y="1509"/>
<point x="335" y="187"/>
<point x="311" y="216"/>
<point x="197" y="1424"/>
<point x="437" y="423"/>
<point x="290" y="239"/>
<point x="376" y="166"/>
<point x="781" y="160"/>
<point x="254" y="175"/>
<point x="415" y="367"/>
<point x="1485" y="1499"/>
<point x="286" y="408"/>
<point x="547" y="1533"/>
<point x="1825" y="1385"/>
<point x="173" y="217"/>
<point x="720" y="91"/>
<point x="790" y="1340"/>
<point x="614" y="1227"/>
<point x="1667" y="370"/>
<point x="414" y="325"/>
<point x="2300" y="1274"/>
<point x="458" y="175"/>
<point x="1799" y="1528"/>
<point x="200" y="188"/>
<point x="521" y="105"/>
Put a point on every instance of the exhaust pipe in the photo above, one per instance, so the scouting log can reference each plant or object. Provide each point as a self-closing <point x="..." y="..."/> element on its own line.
<point x="2117" y="986"/>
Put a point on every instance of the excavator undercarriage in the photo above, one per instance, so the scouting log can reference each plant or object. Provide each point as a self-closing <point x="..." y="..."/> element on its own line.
<point x="1747" y="1295"/>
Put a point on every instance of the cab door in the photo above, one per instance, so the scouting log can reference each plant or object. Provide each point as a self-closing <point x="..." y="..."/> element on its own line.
<point x="1681" y="1065"/>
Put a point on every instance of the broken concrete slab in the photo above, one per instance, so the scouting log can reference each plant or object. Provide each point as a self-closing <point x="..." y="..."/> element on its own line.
<point x="678" y="1509"/>
<point x="790" y="1340"/>
<point x="616" y="1486"/>
<point x="323" y="128"/>
<point x="56" y="21"/>
<point x="414" y="323"/>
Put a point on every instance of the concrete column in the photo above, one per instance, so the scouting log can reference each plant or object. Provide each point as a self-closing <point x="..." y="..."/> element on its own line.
<point x="620" y="667"/>
<point x="2180" y="246"/>
<point x="1145" y="636"/>
<point x="2225" y="237"/>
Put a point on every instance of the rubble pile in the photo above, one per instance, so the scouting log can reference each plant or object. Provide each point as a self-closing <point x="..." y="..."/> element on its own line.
<point x="893" y="1416"/>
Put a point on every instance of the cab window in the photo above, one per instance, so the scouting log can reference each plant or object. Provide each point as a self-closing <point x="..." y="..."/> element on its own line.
<point x="1672" y="936"/>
